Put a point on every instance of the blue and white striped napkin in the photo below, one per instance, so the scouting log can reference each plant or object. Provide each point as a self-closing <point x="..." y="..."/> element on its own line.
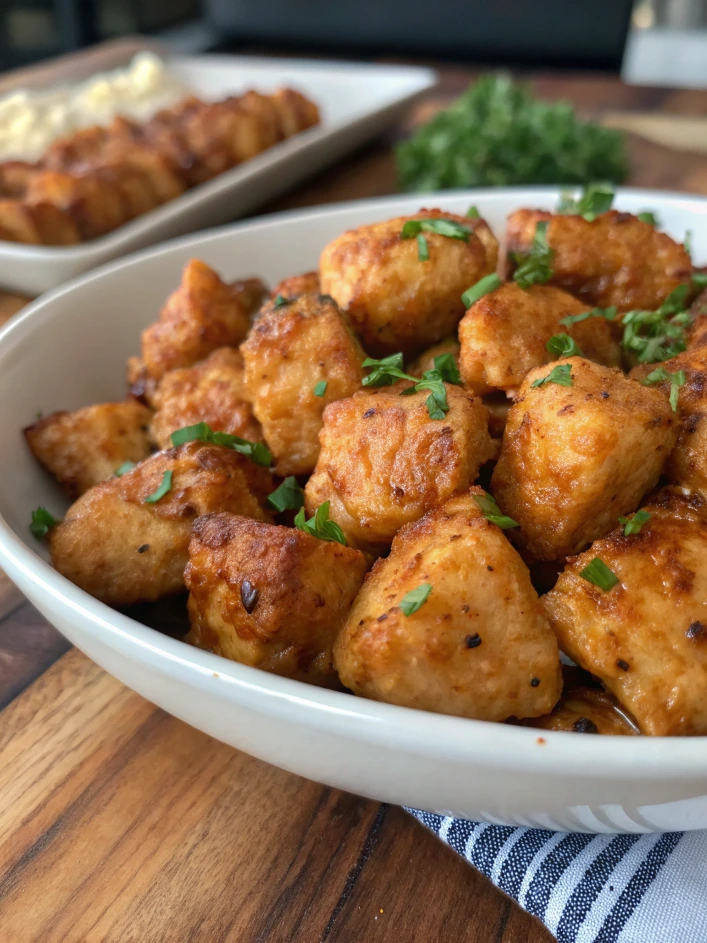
<point x="592" y="888"/>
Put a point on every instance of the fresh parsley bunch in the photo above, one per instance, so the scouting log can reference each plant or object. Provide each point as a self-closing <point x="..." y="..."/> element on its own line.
<point x="497" y="134"/>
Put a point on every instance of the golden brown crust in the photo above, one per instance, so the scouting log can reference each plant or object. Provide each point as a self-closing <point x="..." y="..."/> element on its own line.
<point x="426" y="360"/>
<point x="478" y="647"/>
<point x="123" y="550"/>
<point x="395" y="301"/>
<point x="82" y="448"/>
<point x="646" y="638"/>
<point x="211" y="391"/>
<point x="575" y="458"/>
<point x="585" y="709"/>
<point x="289" y="350"/>
<point x="384" y="462"/>
<point x="305" y="284"/>
<point x="268" y="596"/>
<point x="615" y="260"/>
<point x="503" y="335"/>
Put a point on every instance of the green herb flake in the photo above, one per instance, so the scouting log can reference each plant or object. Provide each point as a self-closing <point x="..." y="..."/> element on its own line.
<point x="281" y="301"/>
<point x="442" y="227"/>
<point x="676" y="380"/>
<point x="598" y="573"/>
<point x="609" y="314"/>
<point x="386" y="371"/>
<point x="653" y="336"/>
<point x="562" y="345"/>
<point x="415" y="599"/>
<point x="320" y="526"/>
<point x="258" y="452"/>
<point x="699" y="279"/>
<point x="164" y="488"/>
<point x="436" y="402"/>
<point x="483" y="287"/>
<point x="648" y="216"/>
<point x="492" y="512"/>
<point x="42" y="522"/>
<point x="561" y="374"/>
<point x="596" y="199"/>
<point x="633" y="525"/>
<point x="124" y="469"/>
<point x="535" y="268"/>
<point x="473" y="213"/>
<point x="320" y="388"/>
<point x="446" y="366"/>
<point x="687" y="242"/>
<point x="288" y="496"/>
<point x="423" y="250"/>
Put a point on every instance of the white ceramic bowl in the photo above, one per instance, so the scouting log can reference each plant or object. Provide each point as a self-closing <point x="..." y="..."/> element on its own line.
<point x="69" y="348"/>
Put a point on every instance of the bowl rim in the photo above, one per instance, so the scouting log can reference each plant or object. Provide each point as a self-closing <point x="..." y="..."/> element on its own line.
<point x="417" y="732"/>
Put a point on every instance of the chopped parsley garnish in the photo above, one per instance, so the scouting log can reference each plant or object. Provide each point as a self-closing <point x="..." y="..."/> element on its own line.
<point x="648" y="216"/>
<point x="499" y="134"/>
<point x="416" y="598"/>
<point x="164" y="488"/>
<point x="598" y="573"/>
<point x="608" y="313"/>
<point x="535" y="268"/>
<point x="320" y="388"/>
<point x="436" y="402"/>
<point x="658" y="335"/>
<point x="687" y="242"/>
<point x="320" y="526"/>
<point x="281" y="301"/>
<point x="561" y="374"/>
<point x="446" y="366"/>
<point x="484" y="285"/>
<point x="386" y="371"/>
<point x="492" y="511"/>
<point x="288" y="496"/>
<point x="633" y="525"/>
<point x="423" y="250"/>
<point x="699" y="279"/>
<point x="596" y="199"/>
<point x="676" y="380"/>
<point x="562" y="345"/>
<point x="42" y="522"/>
<point x="124" y="469"/>
<point x="473" y="213"/>
<point x="442" y="227"/>
<point x="258" y="452"/>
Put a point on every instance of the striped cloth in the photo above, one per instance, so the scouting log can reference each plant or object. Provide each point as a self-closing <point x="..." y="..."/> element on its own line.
<point x="592" y="888"/>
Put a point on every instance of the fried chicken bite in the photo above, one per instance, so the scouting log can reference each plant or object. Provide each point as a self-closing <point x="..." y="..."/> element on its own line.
<point x="39" y="223"/>
<point x="211" y="391"/>
<point x="268" y="596"/>
<point x="299" y="356"/>
<point x="82" y="448"/>
<point x="478" y="646"/>
<point x="575" y="458"/>
<point x="645" y="637"/>
<point x="396" y="301"/>
<point x="123" y="545"/>
<point x="503" y="335"/>
<point x="203" y="314"/>
<point x="384" y="462"/>
<point x="426" y="360"/>
<point x="306" y="284"/>
<point x="617" y="259"/>
<point x="585" y="708"/>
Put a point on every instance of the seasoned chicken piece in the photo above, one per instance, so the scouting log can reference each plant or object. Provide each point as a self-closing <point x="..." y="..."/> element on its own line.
<point x="645" y="637"/>
<point x="84" y="447"/>
<point x="95" y="206"/>
<point x="123" y="545"/>
<point x="478" y="646"/>
<point x="585" y="708"/>
<point x="211" y="391"/>
<point x="204" y="313"/>
<point x="504" y="333"/>
<point x="15" y="176"/>
<point x="295" y="285"/>
<point x="426" y="360"/>
<point x="687" y="464"/>
<point x="384" y="462"/>
<point x="576" y="457"/>
<point x="396" y="301"/>
<point x="270" y="597"/>
<point x="615" y="260"/>
<point x="39" y="223"/>
<point x="299" y="356"/>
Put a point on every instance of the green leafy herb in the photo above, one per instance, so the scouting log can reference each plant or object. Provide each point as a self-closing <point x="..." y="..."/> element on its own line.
<point x="446" y="366"/>
<point x="288" y="496"/>
<point x="498" y="134"/>
<point x="484" y="285"/>
<point x="687" y="242"/>
<point x="42" y="522"/>
<point x="535" y="268"/>
<point x="413" y="600"/>
<point x="598" y="573"/>
<point x="280" y="301"/>
<point x="320" y="526"/>
<point x="165" y="486"/>
<point x="437" y="405"/>
<point x="473" y="213"/>
<point x="492" y="512"/>
<point x="423" y="250"/>
<point x="648" y="216"/>
<point x="386" y="371"/>
<point x="633" y="525"/>
<point x="202" y="432"/>
<point x="658" y="335"/>
<point x="596" y="199"/>
<point x="608" y="313"/>
<point x="699" y="279"/>
<point x="442" y="227"/>
<point x="562" y="345"/>
<point x="676" y="380"/>
<point x="124" y="469"/>
<point x="320" y="388"/>
<point x="561" y="374"/>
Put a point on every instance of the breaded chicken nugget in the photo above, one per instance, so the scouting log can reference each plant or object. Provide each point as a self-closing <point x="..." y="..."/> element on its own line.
<point x="426" y="360"/>
<point x="295" y="285"/>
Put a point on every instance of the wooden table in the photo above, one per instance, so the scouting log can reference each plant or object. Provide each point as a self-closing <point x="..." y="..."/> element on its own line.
<point x="120" y="824"/>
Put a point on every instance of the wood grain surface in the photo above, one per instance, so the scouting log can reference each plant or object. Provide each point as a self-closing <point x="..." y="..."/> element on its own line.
<point x="120" y="824"/>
